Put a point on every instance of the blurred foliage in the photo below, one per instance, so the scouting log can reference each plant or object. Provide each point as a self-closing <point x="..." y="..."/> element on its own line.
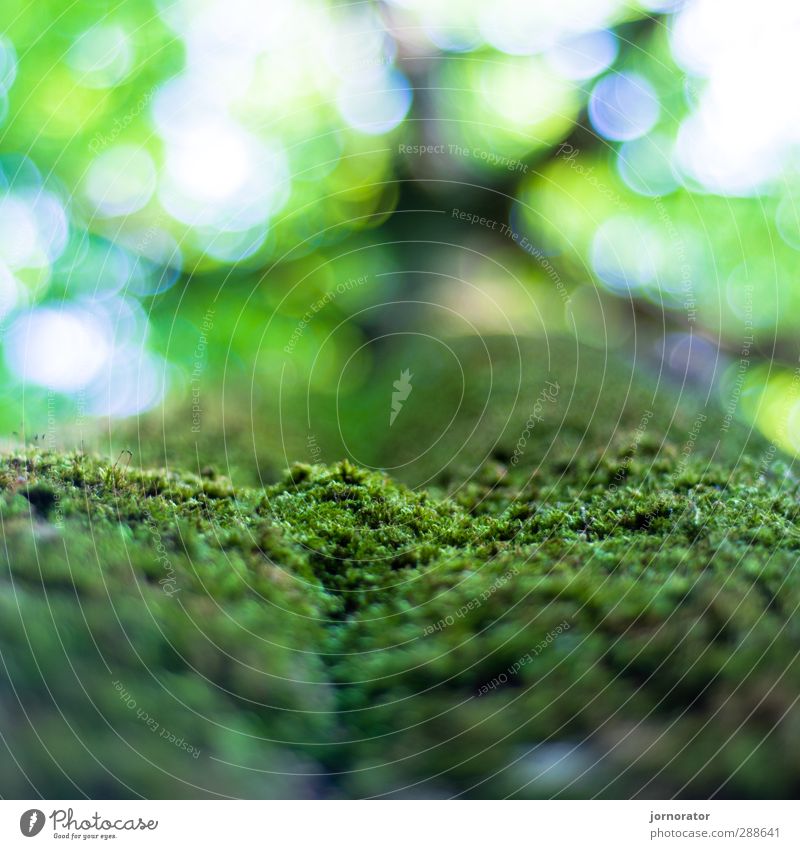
<point x="160" y="159"/>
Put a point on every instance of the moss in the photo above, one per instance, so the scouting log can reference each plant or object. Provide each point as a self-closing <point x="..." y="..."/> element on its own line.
<point x="610" y="616"/>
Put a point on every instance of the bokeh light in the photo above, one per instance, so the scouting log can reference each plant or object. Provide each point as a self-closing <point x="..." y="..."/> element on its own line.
<point x="62" y="349"/>
<point x="623" y="106"/>
<point x="584" y="56"/>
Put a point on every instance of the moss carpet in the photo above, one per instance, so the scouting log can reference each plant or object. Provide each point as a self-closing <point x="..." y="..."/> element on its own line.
<point x="599" y="600"/>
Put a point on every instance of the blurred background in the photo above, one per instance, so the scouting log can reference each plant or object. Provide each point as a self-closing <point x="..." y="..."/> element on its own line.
<point x="248" y="219"/>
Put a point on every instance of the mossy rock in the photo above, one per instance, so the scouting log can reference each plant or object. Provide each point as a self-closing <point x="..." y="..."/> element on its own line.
<point x="605" y="613"/>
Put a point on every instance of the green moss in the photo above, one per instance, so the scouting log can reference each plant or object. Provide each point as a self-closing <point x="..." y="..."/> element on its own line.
<point x="610" y="615"/>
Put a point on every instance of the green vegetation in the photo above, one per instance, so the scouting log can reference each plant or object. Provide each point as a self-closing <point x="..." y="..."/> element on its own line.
<point x="617" y="620"/>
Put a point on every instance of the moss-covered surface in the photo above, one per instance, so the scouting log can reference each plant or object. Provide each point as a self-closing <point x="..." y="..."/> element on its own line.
<point x="611" y="612"/>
